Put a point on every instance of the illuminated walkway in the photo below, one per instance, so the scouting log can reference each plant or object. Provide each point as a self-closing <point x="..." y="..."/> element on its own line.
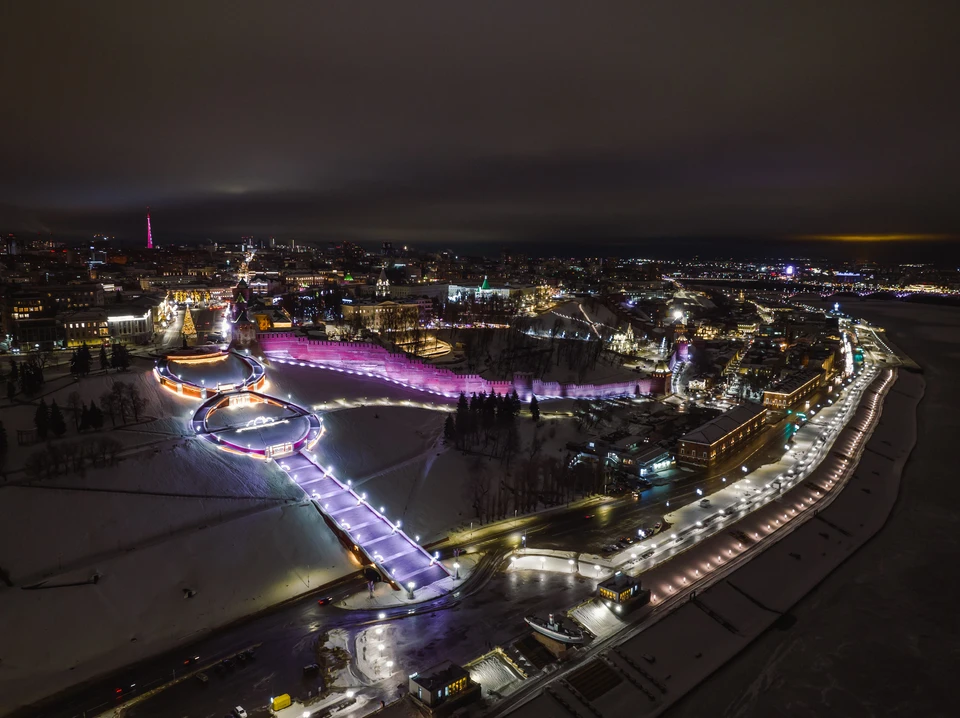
<point x="286" y="438"/>
<point x="396" y="554"/>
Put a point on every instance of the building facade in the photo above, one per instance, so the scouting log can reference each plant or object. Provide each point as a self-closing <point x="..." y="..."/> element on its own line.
<point x="792" y="389"/>
<point x="382" y="316"/>
<point x="720" y="437"/>
<point x="443" y="684"/>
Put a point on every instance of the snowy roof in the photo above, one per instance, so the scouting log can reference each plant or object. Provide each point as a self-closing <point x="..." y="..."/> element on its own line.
<point x="620" y="580"/>
<point x="440" y="675"/>
<point x="721" y="426"/>
<point x="793" y="382"/>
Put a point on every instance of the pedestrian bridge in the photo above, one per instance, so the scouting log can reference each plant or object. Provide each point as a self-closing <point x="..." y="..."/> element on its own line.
<point x="399" y="558"/>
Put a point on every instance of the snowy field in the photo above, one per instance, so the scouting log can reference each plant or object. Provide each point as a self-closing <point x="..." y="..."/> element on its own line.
<point x="397" y="456"/>
<point x="175" y="517"/>
<point x="56" y="636"/>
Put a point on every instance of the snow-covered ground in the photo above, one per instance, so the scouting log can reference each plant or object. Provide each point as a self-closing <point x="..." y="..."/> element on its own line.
<point x="183" y="538"/>
<point x="496" y="676"/>
<point x="160" y="418"/>
<point x="55" y="636"/>
<point x="397" y="456"/>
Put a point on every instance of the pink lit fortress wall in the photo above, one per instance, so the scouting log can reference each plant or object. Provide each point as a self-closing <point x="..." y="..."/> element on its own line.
<point x="375" y="361"/>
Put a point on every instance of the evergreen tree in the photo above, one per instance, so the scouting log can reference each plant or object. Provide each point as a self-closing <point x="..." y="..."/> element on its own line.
<point x="534" y="408"/>
<point x="14" y="371"/>
<point x="96" y="416"/>
<point x="449" y="430"/>
<point x="104" y="360"/>
<point x="189" y="328"/>
<point x="462" y="421"/>
<point x="80" y="361"/>
<point x="57" y="424"/>
<point x="489" y="412"/>
<point x="41" y="420"/>
<point x="120" y="357"/>
<point x="3" y="439"/>
<point x="515" y="404"/>
<point x="11" y="389"/>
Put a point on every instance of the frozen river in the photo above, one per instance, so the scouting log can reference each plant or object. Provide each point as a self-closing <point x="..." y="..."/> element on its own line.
<point x="879" y="637"/>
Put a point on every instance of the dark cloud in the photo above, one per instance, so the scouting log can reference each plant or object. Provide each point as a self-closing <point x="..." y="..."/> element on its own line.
<point x="479" y="120"/>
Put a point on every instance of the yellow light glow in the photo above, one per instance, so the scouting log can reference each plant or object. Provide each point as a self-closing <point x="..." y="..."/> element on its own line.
<point x="874" y="237"/>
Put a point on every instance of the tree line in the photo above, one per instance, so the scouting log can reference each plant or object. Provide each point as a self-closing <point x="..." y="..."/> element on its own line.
<point x="122" y="401"/>
<point x="485" y="424"/>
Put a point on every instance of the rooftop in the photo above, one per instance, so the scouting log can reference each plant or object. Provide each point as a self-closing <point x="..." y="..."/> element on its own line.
<point x="790" y="384"/>
<point x="620" y="580"/>
<point x="440" y="675"/>
<point x="728" y="422"/>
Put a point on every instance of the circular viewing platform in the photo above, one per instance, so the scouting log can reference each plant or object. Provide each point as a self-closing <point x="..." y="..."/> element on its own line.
<point x="201" y="353"/>
<point x="202" y="374"/>
<point x="256" y="424"/>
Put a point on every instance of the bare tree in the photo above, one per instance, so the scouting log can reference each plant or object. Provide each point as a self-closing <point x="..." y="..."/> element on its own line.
<point x="478" y="487"/>
<point x="108" y="406"/>
<point x="75" y="403"/>
<point x="137" y="402"/>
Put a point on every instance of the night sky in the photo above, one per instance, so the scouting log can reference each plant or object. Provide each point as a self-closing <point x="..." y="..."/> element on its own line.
<point x="456" y="121"/>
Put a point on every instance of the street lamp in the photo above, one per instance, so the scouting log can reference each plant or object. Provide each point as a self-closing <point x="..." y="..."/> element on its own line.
<point x="456" y="568"/>
<point x="410" y="586"/>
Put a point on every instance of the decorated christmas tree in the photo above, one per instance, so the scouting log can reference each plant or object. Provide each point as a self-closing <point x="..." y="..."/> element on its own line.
<point x="189" y="330"/>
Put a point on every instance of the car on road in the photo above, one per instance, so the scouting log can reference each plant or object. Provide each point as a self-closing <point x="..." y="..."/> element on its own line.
<point x="191" y="660"/>
<point x="239" y="712"/>
<point x="325" y="600"/>
<point x="310" y="669"/>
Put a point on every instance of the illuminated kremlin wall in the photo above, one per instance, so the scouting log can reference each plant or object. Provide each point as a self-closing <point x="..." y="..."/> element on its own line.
<point x="376" y="361"/>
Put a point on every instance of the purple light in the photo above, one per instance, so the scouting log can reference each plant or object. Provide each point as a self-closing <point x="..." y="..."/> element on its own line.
<point x="402" y="370"/>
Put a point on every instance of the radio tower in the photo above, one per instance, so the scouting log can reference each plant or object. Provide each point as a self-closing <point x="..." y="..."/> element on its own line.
<point x="149" y="235"/>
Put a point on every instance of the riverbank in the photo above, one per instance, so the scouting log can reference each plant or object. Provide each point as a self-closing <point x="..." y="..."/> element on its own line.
<point x="876" y="637"/>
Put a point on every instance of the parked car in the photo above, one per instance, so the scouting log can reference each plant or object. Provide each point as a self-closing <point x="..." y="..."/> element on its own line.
<point x="310" y="669"/>
<point x="203" y="678"/>
<point x="239" y="712"/>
